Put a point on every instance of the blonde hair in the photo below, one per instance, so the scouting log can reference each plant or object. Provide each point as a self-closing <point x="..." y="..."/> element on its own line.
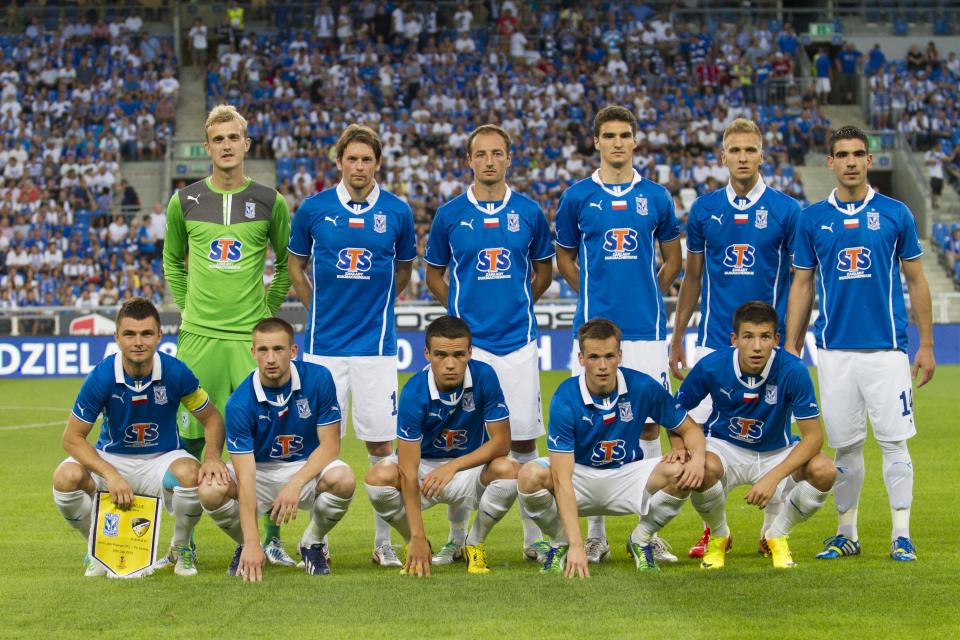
<point x="742" y="125"/>
<point x="224" y="113"/>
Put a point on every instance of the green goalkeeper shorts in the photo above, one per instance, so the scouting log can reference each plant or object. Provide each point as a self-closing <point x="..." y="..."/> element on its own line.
<point x="220" y="365"/>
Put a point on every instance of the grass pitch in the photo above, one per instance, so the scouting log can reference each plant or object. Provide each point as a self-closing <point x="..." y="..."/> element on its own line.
<point x="43" y="592"/>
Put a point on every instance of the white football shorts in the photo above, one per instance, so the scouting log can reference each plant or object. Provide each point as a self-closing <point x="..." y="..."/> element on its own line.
<point x="519" y="375"/>
<point x="742" y="466"/>
<point x="463" y="490"/>
<point x="272" y="477"/>
<point x="144" y="473"/>
<point x="611" y="492"/>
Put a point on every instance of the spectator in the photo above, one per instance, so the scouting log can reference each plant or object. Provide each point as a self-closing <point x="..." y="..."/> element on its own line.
<point x="198" y="43"/>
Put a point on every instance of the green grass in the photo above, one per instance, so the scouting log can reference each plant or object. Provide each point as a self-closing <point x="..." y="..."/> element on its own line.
<point x="43" y="592"/>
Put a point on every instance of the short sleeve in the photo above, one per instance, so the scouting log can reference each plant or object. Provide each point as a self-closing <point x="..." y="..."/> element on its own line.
<point x="908" y="244"/>
<point x="494" y="405"/>
<point x="91" y="400"/>
<point x="694" y="387"/>
<point x="567" y="222"/>
<point x="438" y="242"/>
<point x="328" y="409"/>
<point x="799" y="390"/>
<point x="410" y="413"/>
<point x="696" y="242"/>
<point x="301" y="236"/>
<point x="560" y="437"/>
<point x="668" y="227"/>
<point x="541" y="245"/>
<point x="664" y="408"/>
<point x="239" y="424"/>
<point x="804" y="251"/>
<point x="406" y="240"/>
<point x="791" y="222"/>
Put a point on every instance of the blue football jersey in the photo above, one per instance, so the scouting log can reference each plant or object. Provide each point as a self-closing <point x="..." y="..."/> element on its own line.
<point x="857" y="249"/>
<point x="751" y="411"/>
<point x="605" y="432"/>
<point x="746" y="244"/>
<point x="139" y="415"/>
<point x="614" y="230"/>
<point x="280" y="424"/>
<point x="450" y="425"/>
<point x="353" y="248"/>
<point x="491" y="247"/>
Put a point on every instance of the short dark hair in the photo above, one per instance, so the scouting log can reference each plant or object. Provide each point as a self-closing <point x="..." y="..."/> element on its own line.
<point x="755" y="312"/>
<point x="272" y="325"/>
<point x="138" y="308"/>
<point x="598" y="329"/>
<point x="489" y="128"/>
<point x="614" y="113"/>
<point x="449" y="327"/>
<point x="362" y="134"/>
<point x="848" y="133"/>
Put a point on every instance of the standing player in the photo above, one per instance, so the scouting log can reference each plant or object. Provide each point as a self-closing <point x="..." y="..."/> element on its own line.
<point x="756" y="387"/>
<point x="221" y="227"/>
<point x="495" y="238"/>
<point x="359" y="242"/>
<point x="454" y="437"/>
<point x="138" y="390"/>
<point x="860" y="240"/>
<point x="283" y="435"/>
<point x="738" y="249"/>
<point x="608" y="226"/>
<point x="597" y="465"/>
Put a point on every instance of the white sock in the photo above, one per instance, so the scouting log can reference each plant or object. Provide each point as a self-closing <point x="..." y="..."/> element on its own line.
<point x="381" y="529"/>
<point x="542" y="508"/>
<point x="898" y="477"/>
<point x="227" y="517"/>
<point x="75" y="507"/>
<point x="186" y="514"/>
<point x="770" y="513"/>
<point x="711" y="504"/>
<point x="663" y="508"/>
<point x="846" y="489"/>
<point x="459" y="517"/>
<point x="388" y="507"/>
<point x="801" y="503"/>
<point x="597" y="527"/>
<point x="327" y="511"/>
<point x="496" y="500"/>
<point x="531" y="532"/>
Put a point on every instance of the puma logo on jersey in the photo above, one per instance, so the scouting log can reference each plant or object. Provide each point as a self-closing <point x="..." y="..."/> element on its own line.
<point x="828" y="227"/>
<point x="598" y="205"/>
<point x="233" y="442"/>
<point x="553" y="439"/>
<point x="586" y="419"/>
<point x="719" y="218"/>
<point x="332" y="221"/>
<point x="465" y="223"/>
<point x="727" y="393"/>
<point x="196" y="199"/>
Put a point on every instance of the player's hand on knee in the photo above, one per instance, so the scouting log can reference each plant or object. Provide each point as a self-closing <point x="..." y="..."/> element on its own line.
<point x="286" y="504"/>
<point x="676" y="455"/>
<point x="120" y="491"/>
<point x="252" y="560"/>
<point x="761" y="492"/>
<point x="418" y="558"/>
<point x="691" y="474"/>
<point x="214" y="471"/>
<point x="576" y="563"/>
<point x="434" y="482"/>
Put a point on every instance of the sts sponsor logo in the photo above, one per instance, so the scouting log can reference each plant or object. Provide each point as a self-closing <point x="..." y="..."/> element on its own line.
<point x="451" y="439"/>
<point x="141" y="434"/>
<point x="607" y="451"/>
<point x="739" y="259"/>
<point x="620" y="243"/>
<point x="225" y="253"/>
<point x="493" y="263"/>
<point x="854" y="263"/>
<point x="746" y="429"/>
<point x="285" y="446"/>
<point x="354" y="262"/>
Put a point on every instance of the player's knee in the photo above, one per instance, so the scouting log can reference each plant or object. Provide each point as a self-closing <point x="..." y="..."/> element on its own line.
<point x="664" y="478"/>
<point x="213" y="496"/>
<point x="68" y="476"/>
<point x="382" y="474"/>
<point x="340" y="482"/>
<point x="821" y="472"/>
<point x="186" y="471"/>
<point x="712" y="470"/>
<point x="533" y="477"/>
<point x="503" y="468"/>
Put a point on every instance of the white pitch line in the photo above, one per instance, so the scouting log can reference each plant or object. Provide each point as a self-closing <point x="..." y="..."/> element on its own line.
<point x="35" y="425"/>
<point x="19" y="407"/>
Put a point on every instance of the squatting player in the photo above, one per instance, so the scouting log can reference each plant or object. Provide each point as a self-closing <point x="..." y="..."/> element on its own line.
<point x="454" y="437"/>
<point x="139" y="451"/>
<point x="738" y="249"/>
<point x="859" y="241"/>
<point x="755" y="388"/>
<point x="283" y="435"/>
<point x="358" y="241"/>
<point x="221" y="227"/>
<point x="499" y="243"/>
<point x="597" y="465"/>
<point x="607" y="228"/>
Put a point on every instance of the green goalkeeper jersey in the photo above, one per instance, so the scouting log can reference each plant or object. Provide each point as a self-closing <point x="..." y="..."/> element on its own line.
<point x="223" y="236"/>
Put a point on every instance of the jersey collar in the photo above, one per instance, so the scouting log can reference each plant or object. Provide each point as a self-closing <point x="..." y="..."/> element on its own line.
<point x="763" y="374"/>
<point x="588" y="398"/>
<point x="261" y="394"/>
<point x="476" y="203"/>
<point x="435" y="391"/>
<point x="344" y="196"/>
<point x="119" y="378"/>
<point x="622" y="192"/>
<point x="752" y="197"/>
<point x="832" y="199"/>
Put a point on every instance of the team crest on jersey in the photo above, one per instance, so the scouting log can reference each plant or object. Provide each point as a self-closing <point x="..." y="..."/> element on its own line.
<point x="493" y="263"/>
<point x="111" y="525"/>
<point x="250" y="210"/>
<point x="873" y="220"/>
<point x="607" y="451"/>
<point x="739" y="259"/>
<point x="303" y="408"/>
<point x="160" y="395"/>
<point x="354" y="262"/>
<point x="468" y="401"/>
<point x="642" y="206"/>
<point x="746" y="429"/>
<point x="225" y="253"/>
<point x="620" y="243"/>
<point x="380" y="223"/>
<point x="760" y="218"/>
<point x="626" y="412"/>
<point x="854" y="262"/>
<point x="770" y="394"/>
<point x="513" y="222"/>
